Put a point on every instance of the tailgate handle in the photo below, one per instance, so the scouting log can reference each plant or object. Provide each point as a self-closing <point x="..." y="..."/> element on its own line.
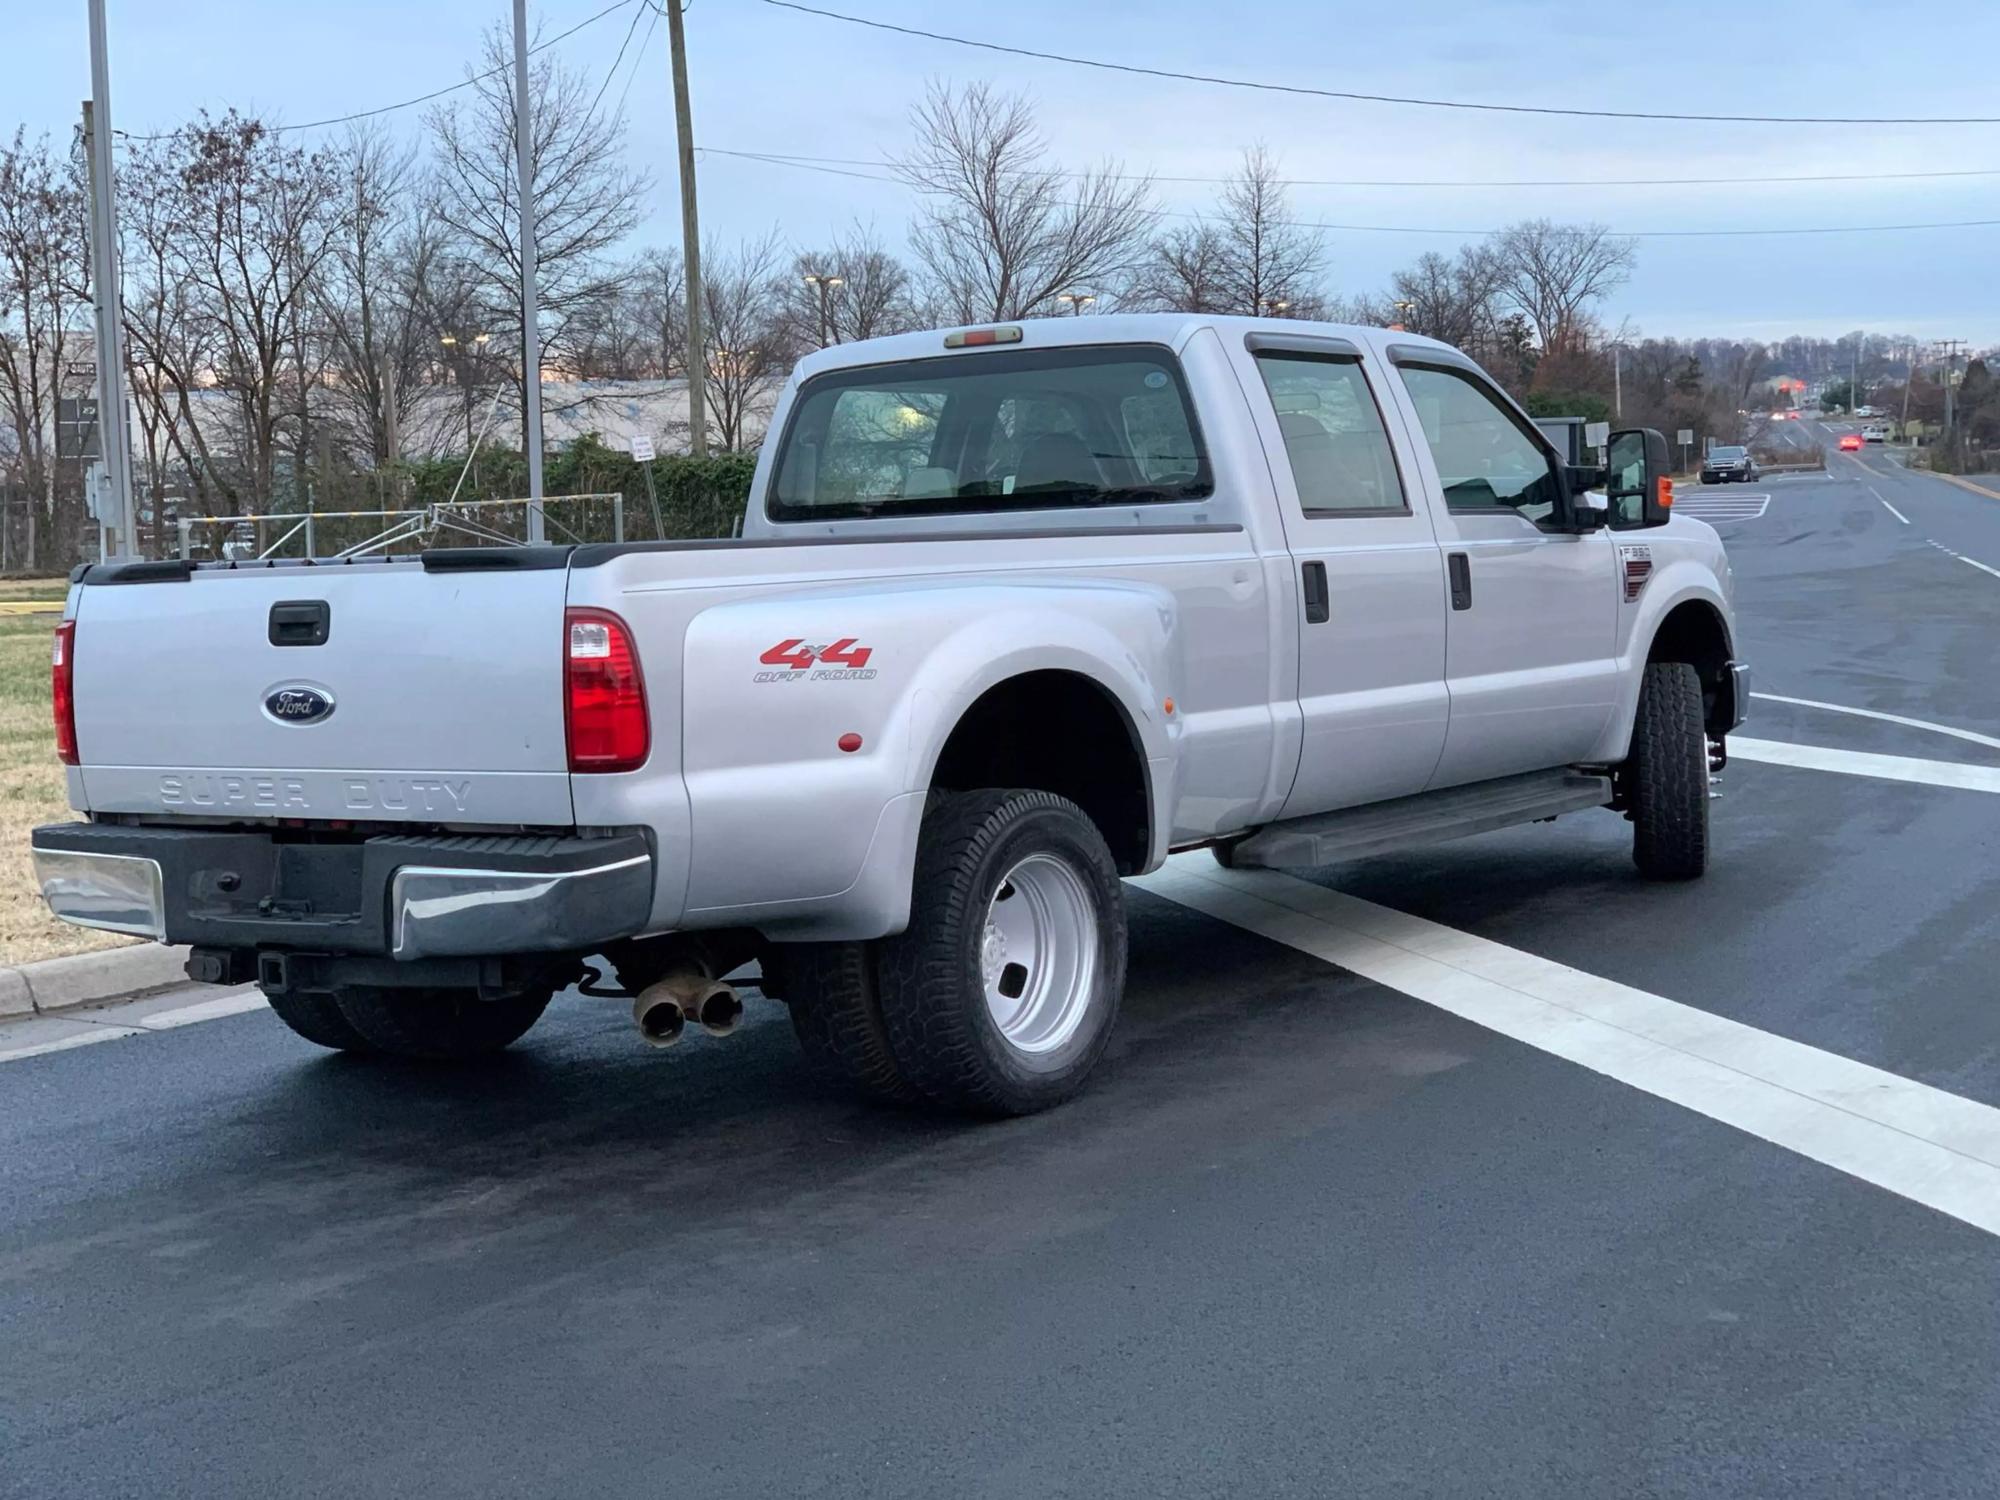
<point x="300" y="622"/>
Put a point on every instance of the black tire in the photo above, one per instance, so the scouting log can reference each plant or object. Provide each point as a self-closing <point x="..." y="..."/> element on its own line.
<point x="930" y="983"/>
<point x="1666" y="777"/>
<point x="318" y="1019"/>
<point x="837" y="1017"/>
<point x="438" y="1025"/>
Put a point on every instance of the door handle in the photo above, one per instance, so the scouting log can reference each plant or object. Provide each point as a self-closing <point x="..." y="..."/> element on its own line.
<point x="1319" y="608"/>
<point x="1461" y="579"/>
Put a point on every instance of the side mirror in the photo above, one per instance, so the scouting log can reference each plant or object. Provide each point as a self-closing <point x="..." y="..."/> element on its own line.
<point x="1638" y="479"/>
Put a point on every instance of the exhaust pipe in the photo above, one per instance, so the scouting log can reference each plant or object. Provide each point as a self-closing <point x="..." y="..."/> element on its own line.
<point x="665" y="1006"/>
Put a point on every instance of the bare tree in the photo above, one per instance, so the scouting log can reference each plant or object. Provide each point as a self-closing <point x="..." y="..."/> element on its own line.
<point x="1551" y="273"/>
<point x="586" y="199"/>
<point x="42" y="308"/>
<point x="662" y="306"/>
<point x="853" y="289"/>
<point x="1182" y="272"/>
<point x="742" y="332"/>
<point x="1449" y="297"/>
<point x="252" y="221"/>
<point x="1269" y="265"/>
<point x="378" y="293"/>
<point x="1002" y="230"/>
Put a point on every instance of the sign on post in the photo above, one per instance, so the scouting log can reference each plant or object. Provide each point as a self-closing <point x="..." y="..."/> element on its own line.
<point x="77" y="435"/>
<point x="1596" y="434"/>
<point x="1687" y="436"/>
<point x="642" y="448"/>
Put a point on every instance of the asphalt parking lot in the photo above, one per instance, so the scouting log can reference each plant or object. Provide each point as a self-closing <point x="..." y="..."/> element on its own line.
<point x="1484" y="1169"/>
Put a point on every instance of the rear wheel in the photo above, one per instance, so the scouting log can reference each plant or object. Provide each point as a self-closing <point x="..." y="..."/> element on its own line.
<point x="317" y="1018"/>
<point x="831" y="992"/>
<point x="1666" y="775"/>
<point x="1000" y="996"/>
<point x="439" y="1025"/>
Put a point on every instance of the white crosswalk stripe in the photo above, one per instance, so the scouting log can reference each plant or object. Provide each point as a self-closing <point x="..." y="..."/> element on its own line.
<point x="1729" y="506"/>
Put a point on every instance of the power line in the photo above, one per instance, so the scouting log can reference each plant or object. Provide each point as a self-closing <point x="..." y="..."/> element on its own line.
<point x="464" y="83"/>
<point x="612" y="71"/>
<point x="1264" y="86"/>
<point x="1439" y="230"/>
<point x="1382" y="182"/>
<point x="644" y="42"/>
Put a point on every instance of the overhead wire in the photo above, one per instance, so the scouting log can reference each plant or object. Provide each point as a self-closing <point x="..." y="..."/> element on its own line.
<point x="463" y="83"/>
<point x="1437" y="230"/>
<point x="1266" y="86"/>
<point x="1383" y="182"/>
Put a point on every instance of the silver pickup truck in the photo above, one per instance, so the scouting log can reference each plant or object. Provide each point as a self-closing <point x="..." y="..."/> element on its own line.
<point x="1017" y="611"/>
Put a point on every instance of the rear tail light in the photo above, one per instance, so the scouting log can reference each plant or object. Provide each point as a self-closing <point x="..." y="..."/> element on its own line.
<point x="62" y="691"/>
<point x="605" y="706"/>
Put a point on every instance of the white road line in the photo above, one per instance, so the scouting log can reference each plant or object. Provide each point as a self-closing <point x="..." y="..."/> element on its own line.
<point x="1865" y="763"/>
<point x="1887" y="506"/>
<point x="1919" y="1142"/>
<point x="1870" y="713"/>
<point x="234" y="1004"/>
<point x="64" y="1044"/>
<point x="1968" y="561"/>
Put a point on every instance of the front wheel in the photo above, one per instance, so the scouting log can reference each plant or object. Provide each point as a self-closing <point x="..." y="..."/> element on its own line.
<point x="1666" y="775"/>
<point x="1000" y="996"/>
<point x="435" y="1023"/>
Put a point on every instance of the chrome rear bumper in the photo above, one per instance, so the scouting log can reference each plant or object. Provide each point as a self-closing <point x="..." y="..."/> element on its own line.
<point x="401" y="896"/>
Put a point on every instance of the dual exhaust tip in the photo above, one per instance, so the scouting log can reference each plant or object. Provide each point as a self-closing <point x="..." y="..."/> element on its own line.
<point x="664" y="1008"/>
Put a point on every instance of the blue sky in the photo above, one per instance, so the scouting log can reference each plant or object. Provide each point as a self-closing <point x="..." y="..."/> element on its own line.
<point x="772" y="80"/>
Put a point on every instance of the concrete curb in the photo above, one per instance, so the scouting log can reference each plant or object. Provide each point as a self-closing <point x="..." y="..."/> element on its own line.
<point x="1961" y="482"/>
<point x="58" y="984"/>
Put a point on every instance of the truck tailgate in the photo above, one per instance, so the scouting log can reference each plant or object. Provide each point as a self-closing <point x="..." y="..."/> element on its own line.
<point x="398" y="694"/>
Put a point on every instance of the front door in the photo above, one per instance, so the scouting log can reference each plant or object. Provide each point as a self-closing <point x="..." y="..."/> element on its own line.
<point x="1367" y="577"/>
<point x="1534" y="611"/>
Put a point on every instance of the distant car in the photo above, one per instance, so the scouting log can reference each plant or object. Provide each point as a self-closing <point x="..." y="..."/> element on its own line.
<point x="1875" y="432"/>
<point x="1791" y="416"/>
<point x="1850" y="442"/>
<point x="1727" y="463"/>
<point x="1866" y="411"/>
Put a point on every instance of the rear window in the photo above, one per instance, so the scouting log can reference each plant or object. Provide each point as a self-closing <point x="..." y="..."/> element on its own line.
<point x="1020" y="429"/>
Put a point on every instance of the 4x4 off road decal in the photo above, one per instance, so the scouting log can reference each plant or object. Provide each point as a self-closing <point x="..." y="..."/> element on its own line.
<point x="844" y="660"/>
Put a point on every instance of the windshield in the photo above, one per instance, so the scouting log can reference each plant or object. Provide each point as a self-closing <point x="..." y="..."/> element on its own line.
<point x="1030" y="429"/>
<point x="1725" y="453"/>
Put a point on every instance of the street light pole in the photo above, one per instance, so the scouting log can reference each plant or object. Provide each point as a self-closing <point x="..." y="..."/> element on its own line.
<point x="531" y="333"/>
<point x="113" y="437"/>
<point x="1076" y="301"/>
<point x="825" y="284"/>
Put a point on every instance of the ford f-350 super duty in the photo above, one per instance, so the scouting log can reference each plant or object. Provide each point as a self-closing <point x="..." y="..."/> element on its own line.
<point x="1016" y="611"/>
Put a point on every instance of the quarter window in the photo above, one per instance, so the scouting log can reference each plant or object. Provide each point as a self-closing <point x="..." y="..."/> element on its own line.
<point x="1340" y="455"/>
<point x="1485" y="459"/>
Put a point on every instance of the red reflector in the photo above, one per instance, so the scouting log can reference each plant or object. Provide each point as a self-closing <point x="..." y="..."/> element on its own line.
<point x="62" y="692"/>
<point x="605" y="709"/>
<point x="849" y="742"/>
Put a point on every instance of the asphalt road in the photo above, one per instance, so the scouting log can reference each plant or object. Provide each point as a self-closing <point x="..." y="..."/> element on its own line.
<point x="1308" y="1234"/>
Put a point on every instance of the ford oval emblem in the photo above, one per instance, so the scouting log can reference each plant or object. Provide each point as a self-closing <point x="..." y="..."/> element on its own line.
<point x="296" y="703"/>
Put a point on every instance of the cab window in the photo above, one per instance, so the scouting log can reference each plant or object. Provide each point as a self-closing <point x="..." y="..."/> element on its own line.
<point x="1339" y="453"/>
<point x="1027" y="429"/>
<point x="1486" y="458"/>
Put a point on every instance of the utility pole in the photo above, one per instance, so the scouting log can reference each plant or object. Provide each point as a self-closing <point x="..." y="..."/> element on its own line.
<point x="1909" y="379"/>
<point x="1618" y="381"/>
<point x="1854" y="377"/>
<point x="531" y="332"/>
<point x="1949" y="348"/>
<point x="392" y="436"/>
<point x="113" y="437"/>
<point x="696" y="357"/>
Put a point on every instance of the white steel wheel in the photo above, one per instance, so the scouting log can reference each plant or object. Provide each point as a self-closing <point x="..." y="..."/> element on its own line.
<point x="1038" y="954"/>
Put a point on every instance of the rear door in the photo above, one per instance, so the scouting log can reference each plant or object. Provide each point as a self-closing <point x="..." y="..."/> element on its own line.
<point x="1534" y="612"/>
<point x="1370" y="590"/>
<point x="377" y="691"/>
